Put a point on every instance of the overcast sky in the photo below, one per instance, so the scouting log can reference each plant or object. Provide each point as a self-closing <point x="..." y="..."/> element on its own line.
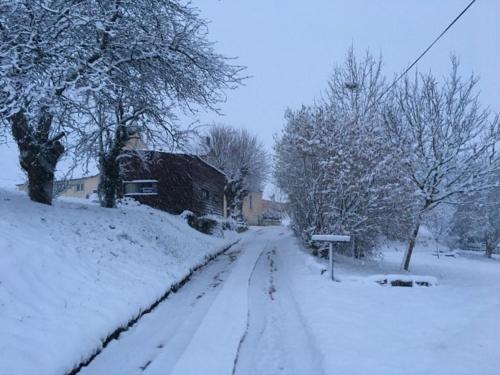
<point x="291" y="46"/>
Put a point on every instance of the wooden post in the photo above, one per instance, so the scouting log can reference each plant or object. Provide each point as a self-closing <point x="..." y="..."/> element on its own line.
<point x="330" y="258"/>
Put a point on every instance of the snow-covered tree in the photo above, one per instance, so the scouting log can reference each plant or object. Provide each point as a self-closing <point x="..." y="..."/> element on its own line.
<point x="477" y="218"/>
<point x="334" y="163"/>
<point x="443" y="136"/>
<point x="41" y="63"/>
<point x="112" y="65"/>
<point x="439" y="223"/>
<point x="242" y="157"/>
<point x="367" y="194"/>
<point x="298" y="172"/>
<point x="165" y="63"/>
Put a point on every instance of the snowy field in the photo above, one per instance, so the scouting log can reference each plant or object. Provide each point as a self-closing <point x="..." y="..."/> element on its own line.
<point x="73" y="273"/>
<point x="361" y="327"/>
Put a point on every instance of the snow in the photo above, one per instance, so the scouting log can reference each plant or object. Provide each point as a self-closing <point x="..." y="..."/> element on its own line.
<point x="137" y="194"/>
<point x="141" y="181"/>
<point x="414" y="280"/>
<point x="366" y="328"/>
<point x="272" y="311"/>
<point x="157" y="342"/>
<point x="331" y="238"/>
<point x="265" y="307"/>
<point x="277" y="341"/>
<point x="199" y="329"/>
<point x="215" y="344"/>
<point x="72" y="273"/>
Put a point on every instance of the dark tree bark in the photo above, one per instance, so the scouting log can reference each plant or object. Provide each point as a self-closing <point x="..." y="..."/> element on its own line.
<point x="39" y="153"/>
<point x="411" y="244"/>
<point x="490" y="247"/>
<point x="110" y="180"/>
<point x="109" y="166"/>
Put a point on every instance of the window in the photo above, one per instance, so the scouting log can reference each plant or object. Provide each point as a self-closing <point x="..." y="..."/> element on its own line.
<point x="250" y="201"/>
<point x="140" y="187"/>
<point x="205" y="194"/>
<point x="79" y="186"/>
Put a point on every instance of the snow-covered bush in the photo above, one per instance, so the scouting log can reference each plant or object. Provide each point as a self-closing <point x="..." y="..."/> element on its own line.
<point x="234" y="225"/>
<point x="205" y="224"/>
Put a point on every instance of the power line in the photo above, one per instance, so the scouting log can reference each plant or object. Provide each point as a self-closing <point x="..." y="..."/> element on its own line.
<point x="426" y="50"/>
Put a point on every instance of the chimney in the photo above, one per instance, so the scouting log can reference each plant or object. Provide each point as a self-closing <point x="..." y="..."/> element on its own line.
<point x="134" y="141"/>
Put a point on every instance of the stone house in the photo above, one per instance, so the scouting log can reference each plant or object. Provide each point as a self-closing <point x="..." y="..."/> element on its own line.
<point x="260" y="211"/>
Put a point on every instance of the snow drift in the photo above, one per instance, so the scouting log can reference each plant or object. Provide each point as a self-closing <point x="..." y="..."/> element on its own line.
<point x="72" y="273"/>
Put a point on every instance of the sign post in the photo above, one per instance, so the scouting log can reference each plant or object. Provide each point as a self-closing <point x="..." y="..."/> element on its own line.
<point x="330" y="238"/>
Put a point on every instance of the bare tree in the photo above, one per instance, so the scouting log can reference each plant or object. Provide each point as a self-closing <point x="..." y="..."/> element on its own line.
<point x="244" y="160"/>
<point x="40" y="62"/>
<point x="109" y="66"/>
<point x="171" y="64"/>
<point x="443" y="135"/>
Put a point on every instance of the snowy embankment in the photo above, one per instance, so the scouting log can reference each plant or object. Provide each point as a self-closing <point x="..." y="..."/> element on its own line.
<point x="73" y="273"/>
<point x="361" y="327"/>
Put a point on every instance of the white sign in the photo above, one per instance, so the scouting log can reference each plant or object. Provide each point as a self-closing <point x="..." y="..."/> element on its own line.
<point x="331" y="238"/>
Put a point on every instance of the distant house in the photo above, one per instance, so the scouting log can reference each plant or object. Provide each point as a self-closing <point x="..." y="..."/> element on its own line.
<point x="174" y="182"/>
<point x="170" y="182"/>
<point x="260" y="211"/>
<point x="82" y="187"/>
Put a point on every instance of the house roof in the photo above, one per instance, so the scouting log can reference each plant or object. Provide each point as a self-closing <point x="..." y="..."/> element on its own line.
<point x="192" y="156"/>
<point x="211" y="165"/>
<point x="68" y="180"/>
<point x="186" y="155"/>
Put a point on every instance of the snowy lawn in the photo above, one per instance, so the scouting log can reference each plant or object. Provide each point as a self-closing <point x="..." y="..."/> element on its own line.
<point x="361" y="327"/>
<point x="72" y="273"/>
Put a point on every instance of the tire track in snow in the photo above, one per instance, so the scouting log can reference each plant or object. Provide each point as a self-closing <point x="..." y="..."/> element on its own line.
<point x="164" y="333"/>
<point x="276" y="340"/>
<point x="214" y="346"/>
<point x="236" y="358"/>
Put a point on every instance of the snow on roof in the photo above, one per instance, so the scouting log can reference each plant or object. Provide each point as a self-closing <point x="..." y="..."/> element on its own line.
<point x="69" y="180"/>
<point x="331" y="238"/>
<point x="210" y="165"/>
<point x="141" y="181"/>
<point x="148" y="151"/>
<point x="179" y="153"/>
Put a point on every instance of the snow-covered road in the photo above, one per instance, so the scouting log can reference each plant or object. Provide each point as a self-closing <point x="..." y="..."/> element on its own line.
<point x="276" y="340"/>
<point x="235" y="316"/>
<point x="266" y="307"/>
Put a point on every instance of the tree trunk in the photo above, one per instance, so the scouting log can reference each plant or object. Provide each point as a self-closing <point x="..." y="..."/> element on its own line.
<point x="110" y="180"/>
<point x="109" y="166"/>
<point x="411" y="245"/>
<point x="354" y="248"/>
<point x="39" y="154"/>
<point x="490" y="247"/>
